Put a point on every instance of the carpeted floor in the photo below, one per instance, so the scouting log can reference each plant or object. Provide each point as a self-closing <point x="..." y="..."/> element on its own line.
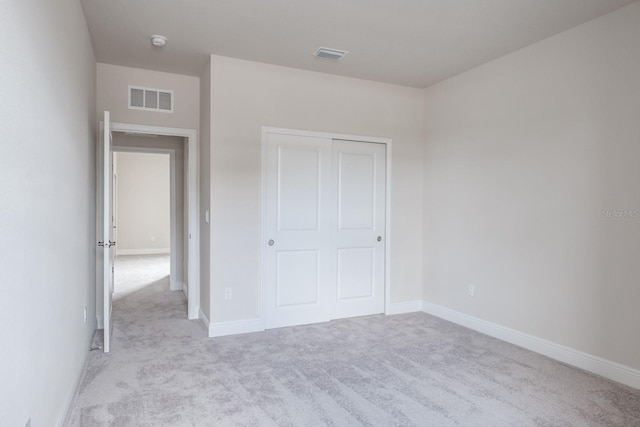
<point x="411" y="369"/>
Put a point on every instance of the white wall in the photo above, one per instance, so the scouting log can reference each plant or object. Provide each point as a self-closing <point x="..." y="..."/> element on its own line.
<point x="524" y="158"/>
<point x="113" y="95"/>
<point x="143" y="203"/>
<point x="47" y="207"/>
<point x="246" y="96"/>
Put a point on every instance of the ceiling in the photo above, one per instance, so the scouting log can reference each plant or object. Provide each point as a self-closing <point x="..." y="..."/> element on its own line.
<point x="407" y="42"/>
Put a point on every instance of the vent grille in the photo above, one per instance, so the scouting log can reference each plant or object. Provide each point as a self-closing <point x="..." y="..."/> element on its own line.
<point x="143" y="98"/>
<point x="328" y="53"/>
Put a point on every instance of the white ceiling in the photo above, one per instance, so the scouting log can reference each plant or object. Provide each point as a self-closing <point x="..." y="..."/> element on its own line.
<point x="407" y="42"/>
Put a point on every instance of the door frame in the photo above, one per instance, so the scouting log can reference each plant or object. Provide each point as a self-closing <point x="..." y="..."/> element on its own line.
<point x="173" y="242"/>
<point x="266" y="130"/>
<point x="192" y="288"/>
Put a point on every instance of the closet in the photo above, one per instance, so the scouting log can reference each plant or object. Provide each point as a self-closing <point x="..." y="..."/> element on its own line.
<point x="324" y="228"/>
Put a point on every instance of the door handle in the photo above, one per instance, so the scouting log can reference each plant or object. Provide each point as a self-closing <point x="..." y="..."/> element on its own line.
<point x="111" y="243"/>
<point x="271" y="242"/>
<point x="100" y="244"/>
<point x="379" y="239"/>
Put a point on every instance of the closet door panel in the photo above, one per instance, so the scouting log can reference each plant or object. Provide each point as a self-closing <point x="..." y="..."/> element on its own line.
<point x="359" y="174"/>
<point x="298" y="255"/>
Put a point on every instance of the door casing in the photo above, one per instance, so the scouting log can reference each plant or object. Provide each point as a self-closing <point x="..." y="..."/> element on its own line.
<point x="192" y="289"/>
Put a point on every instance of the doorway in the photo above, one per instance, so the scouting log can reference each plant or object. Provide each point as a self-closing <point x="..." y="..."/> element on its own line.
<point x="148" y="218"/>
<point x="184" y="229"/>
<point x="150" y="207"/>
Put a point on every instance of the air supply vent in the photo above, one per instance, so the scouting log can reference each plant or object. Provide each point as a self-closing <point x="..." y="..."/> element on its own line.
<point x="144" y="98"/>
<point x="328" y="53"/>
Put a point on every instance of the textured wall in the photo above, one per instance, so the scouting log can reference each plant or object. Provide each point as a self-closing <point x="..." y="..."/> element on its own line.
<point x="47" y="207"/>
<point x="113" y="95"/>
<point x="143" y="201"/>
<point x="248" y="95"/>
<point x="531" y="189"/>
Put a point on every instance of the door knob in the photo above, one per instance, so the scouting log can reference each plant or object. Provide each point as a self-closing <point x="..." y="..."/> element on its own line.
<point x="100" y="243"/>
<point x="379" y="239"/>
<point x="111" y="243"/>
<point x="271" y="242"/>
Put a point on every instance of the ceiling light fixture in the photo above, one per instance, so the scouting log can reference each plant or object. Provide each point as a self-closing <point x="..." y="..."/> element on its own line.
<point x="328" y="53"/>
<point x="158" y="41"/>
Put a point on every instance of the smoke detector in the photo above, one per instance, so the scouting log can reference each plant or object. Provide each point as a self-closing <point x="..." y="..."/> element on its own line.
<point x="158" y="41"/>
<point x="328" y="53"/>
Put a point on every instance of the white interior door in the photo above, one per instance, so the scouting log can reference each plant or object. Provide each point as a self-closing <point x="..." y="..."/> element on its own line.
<point x="298" y="254"/>
<point x="105" y="232"/>
<point x="359" y="174"/>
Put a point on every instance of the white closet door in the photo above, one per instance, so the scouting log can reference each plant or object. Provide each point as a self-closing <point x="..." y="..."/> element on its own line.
<point x="299" y="262"/>
<point x="359" y="232"/>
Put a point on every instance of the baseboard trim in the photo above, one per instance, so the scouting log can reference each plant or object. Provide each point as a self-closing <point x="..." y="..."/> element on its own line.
<point x="205" y="320"/>
<point x="403" y="307"/>
<point x="221" y="329"/>
<point x="151" y="251"/>
<point x="73" y="395"/>
<point x="594" y="364"/>
<point x="179" y="286"/>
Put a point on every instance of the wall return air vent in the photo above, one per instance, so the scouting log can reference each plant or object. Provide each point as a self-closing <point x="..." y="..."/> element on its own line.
<point x="148" y="99"/>
<point x="328" y="53"/>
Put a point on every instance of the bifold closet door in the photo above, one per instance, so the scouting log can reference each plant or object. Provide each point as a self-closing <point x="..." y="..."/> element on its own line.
<point x="359" y="174"/>
<point x="298" y="256"/>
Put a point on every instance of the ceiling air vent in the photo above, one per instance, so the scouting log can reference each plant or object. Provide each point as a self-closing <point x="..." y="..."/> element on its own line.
<point x="328" y="53"/>
<point x="144" y="98"/>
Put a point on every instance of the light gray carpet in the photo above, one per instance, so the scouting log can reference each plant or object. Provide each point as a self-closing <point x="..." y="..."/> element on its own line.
<point x="400" y="370"/>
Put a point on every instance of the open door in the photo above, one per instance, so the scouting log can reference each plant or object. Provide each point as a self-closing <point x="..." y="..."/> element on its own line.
<point x="105" y="256"/>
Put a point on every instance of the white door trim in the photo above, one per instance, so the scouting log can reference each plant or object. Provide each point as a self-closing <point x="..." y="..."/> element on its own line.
<point x="192" y="177"/>
<point x="387" y="238"/>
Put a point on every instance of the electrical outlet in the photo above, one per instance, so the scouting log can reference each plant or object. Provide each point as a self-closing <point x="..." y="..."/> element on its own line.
<point x="472" y="290"/>
<point x="84" y="311"/>
<point x="227" y="293"/>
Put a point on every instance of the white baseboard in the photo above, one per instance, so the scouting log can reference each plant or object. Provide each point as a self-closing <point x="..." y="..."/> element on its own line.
<point x="205" y="320"/>
<point x="177" y="287"/>
<point x="150" y="251"/>
<point x="597" y="365"/>
<point x="73" y="393"/>
<point x="404" y="307"/>
<point x="220" y="329"/>
<point x="99" y="324"/>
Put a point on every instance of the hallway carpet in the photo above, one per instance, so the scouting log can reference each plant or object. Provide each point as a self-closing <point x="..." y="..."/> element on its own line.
<point x="411" y="369"/>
